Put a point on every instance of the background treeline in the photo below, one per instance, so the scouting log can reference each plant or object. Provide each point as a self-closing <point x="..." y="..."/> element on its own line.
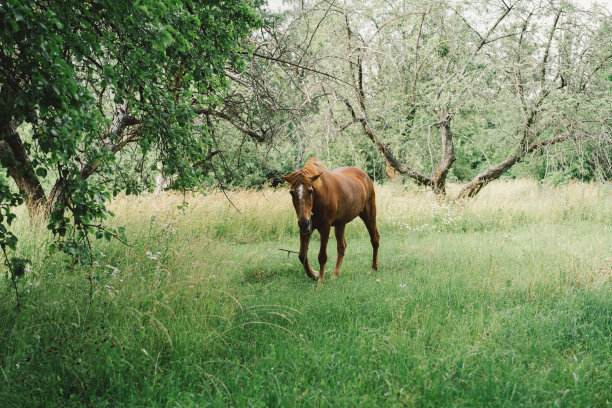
<point x="438" y="90"/>
<point x="420" y="88"/>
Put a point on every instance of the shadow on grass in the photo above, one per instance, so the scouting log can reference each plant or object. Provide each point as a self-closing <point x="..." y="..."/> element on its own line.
<point x="264" y="271"/>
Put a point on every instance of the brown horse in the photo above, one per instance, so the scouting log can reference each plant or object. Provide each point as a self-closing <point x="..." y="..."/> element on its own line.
<point x="323" y="199"/>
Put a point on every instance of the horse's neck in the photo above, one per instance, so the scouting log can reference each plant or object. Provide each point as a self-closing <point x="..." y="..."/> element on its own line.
<point x="323" y="191"/>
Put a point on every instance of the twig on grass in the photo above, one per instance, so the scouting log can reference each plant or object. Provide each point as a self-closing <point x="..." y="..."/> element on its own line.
<point x="288" y="251"/>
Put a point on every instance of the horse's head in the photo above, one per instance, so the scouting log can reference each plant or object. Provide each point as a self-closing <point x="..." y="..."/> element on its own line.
<point x="302" y="192"/>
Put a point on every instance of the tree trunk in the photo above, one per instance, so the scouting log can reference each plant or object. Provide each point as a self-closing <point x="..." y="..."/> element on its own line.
<point x="14" y="157"/>
<point x="163" y="181"/>
<point x="448" y="153"/>
<point x="386" y="152"/>
<point x="300" y="156"/>
<point x="56" y="195"/>
<point x="391" y="172"/>
<point x="114" y="141"/>
<point x="473" y="187"/>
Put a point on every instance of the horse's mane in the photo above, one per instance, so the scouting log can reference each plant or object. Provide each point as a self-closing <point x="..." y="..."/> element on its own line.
<point x="311" y="168"/>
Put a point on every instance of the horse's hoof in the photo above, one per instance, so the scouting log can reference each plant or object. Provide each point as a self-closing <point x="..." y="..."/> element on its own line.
<point x="315" y="275"/>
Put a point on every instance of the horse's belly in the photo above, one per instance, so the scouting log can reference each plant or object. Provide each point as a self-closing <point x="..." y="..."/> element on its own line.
<point x="344" y="220"/>
<point x="347" y="212"/>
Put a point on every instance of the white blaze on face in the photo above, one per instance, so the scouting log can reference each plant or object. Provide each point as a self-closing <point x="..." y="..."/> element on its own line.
<point x="300" y="192"/>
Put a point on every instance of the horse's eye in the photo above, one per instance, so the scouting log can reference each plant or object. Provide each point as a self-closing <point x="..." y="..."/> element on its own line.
<point x="292" y="192"/>
<point x="310" y="191"/>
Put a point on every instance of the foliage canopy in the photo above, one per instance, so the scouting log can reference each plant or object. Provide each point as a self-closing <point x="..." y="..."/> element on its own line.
<point x="91" y="77"/>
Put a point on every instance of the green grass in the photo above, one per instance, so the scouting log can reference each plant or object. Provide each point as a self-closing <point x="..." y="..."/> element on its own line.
<point x="503" y="301"/>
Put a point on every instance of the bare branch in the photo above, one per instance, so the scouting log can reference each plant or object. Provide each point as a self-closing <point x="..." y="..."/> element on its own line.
<point x="494" y="172"/>
<point x="417" y="67"/>
<point x="485" y="39"/>
<point x="243" y="128"/>
<point x="517" y="75"/>
<point x="547" y="50"/>
<point x="387" y="153"/>
<point x="299" y="66"/>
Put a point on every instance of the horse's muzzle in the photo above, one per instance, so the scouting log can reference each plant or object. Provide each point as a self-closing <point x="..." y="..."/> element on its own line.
<point x="304" y="225"/>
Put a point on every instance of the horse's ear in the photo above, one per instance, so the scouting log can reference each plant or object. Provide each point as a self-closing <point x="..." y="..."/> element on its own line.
<point x="313" y="178"/>
<point x="286" y="178"/>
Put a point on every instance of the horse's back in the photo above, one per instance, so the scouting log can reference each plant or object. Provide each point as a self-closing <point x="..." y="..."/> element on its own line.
<point x="353" y="192"/>
<point x="356" y="175"/>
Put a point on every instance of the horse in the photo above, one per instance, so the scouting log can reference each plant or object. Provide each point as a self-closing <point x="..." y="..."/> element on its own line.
<point x="323" y="199"/>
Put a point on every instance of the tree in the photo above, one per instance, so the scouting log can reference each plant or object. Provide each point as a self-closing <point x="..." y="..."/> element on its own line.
<point x="396" y="69"/>
<point x="402" y="71"/>
<point x="93" y="77"/>
<point x="558" y="86"/>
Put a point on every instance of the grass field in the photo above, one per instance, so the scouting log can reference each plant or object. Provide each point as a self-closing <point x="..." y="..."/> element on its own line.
<point x="502" y="301"/>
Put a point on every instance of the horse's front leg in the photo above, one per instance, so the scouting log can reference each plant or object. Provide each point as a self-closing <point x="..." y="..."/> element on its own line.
<point x="324" y="231"/>
<point x="303" y="256"/>
<point x="341" y="245"/>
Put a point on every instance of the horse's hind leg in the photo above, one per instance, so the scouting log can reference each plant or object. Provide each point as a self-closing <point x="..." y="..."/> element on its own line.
<point x="341" y="244"/>
<point x="368" y="215"/>
<point x="324" y="232"/>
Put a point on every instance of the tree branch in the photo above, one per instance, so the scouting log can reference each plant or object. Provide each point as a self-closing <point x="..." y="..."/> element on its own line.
<point x="547" y="49"/>
<point x="518" y="77"/>
<point x="362" y="118"/>
<point x="297" y="66"/>
<point x="494" y="172"/>
<point x="485" y="39"/>
<point x="243" y="128"/>
<point x="387" y="153"/>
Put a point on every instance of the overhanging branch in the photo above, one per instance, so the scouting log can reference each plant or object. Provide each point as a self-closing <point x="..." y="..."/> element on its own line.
<point x="240" y="126"/>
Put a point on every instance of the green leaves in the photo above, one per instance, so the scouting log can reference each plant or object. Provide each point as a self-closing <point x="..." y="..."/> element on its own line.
<point x="89" y="75"/>
<point x="41" y="172"/>
<point x="19" y="266"/>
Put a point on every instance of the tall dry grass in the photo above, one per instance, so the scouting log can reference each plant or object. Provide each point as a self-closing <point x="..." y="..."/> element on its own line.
<point x="268" y="214"/>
